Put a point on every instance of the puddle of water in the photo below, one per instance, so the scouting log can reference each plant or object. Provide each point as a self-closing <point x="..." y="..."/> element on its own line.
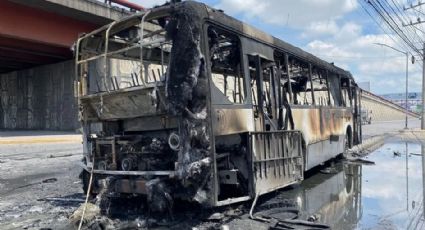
<point x="387" y="195"/>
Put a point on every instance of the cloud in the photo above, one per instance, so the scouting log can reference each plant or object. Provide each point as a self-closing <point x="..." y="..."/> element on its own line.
<point x="337" y="31"/>
<point x="359" y="53"/>
<point x="383" y="67"/>
<point x="330" y="51"/>
<point x="328" y="33"/>
<point x="297" y="14"/>
<point x="321" y="28"/>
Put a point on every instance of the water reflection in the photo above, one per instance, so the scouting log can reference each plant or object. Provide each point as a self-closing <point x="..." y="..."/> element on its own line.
<point x="332" y="198"/>
<point x="387" y="195"/>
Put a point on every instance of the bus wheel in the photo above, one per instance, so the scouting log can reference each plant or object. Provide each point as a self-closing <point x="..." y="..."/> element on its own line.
<point x="85" y="178"/>
<point x="348" y="142"/>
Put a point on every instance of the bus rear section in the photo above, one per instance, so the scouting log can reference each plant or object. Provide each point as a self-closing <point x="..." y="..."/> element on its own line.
<point x="143" y="98"/>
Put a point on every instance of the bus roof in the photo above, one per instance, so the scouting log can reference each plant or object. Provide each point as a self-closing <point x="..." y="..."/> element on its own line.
<point x="222" y="19"/>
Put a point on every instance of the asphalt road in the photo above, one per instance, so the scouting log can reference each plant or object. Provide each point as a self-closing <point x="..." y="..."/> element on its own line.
<point x="378" y="128"/>
<point x="32" y="177"/>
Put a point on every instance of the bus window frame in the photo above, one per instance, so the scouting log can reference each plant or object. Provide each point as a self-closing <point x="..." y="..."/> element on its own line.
<point x="246" y="100"/>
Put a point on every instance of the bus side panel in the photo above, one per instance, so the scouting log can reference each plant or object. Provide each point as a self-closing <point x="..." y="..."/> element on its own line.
<point x="324" y="130"/>
<point x="231" y="120"/>
<point x="323" y="151"/>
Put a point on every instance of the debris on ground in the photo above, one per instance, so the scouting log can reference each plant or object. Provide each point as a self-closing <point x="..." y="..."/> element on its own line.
<point x="313" y="218"/>
<point x="104" y="223"/>
<point x="224" y="227"/>
<point x="360" y="161"/>
<point x="62" y="199"/>
<point x="49" y="180"/>
<point x="59" y="156"/>
<point x="357" y="159"/>
<point x="216" y="216"/>
<point x="397" y="153"/>
<point x="45" y="181"/>
<point x="367" y="146"/>
<point x="232" y="212"/>
<point x="298" y="224"/>
<point x="91" y="212"/>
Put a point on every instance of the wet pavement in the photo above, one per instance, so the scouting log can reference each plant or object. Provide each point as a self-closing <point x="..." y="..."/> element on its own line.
<point x="386" y="195"/>
<point x="392" y="190"/>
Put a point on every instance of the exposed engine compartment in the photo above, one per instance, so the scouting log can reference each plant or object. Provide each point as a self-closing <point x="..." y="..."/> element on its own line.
<point x="136" y="153"/>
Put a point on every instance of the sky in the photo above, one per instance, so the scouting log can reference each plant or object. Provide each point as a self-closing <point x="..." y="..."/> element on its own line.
<point x="338" y="31"/>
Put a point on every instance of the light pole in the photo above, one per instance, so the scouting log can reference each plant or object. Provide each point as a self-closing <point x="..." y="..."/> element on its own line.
<point x="407" y="74"/>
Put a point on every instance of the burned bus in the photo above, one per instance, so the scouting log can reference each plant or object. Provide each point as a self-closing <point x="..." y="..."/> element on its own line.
<point x="185" y="102"/>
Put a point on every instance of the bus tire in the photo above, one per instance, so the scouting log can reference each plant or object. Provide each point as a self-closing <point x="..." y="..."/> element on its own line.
<point x="348" y="140"/>
<point x="85" y="178"/>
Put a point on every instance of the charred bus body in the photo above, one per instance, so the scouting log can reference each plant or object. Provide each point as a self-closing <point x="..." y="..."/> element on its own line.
<point x="185" y="102"/>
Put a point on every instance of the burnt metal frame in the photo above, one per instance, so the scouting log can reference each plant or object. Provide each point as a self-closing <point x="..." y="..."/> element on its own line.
<point x="259" y="79"/>
<point x="241" y="73"/>
<point x="214" y="175"/>
<point x="247" y="98"/>
<point x="264" y="158"/>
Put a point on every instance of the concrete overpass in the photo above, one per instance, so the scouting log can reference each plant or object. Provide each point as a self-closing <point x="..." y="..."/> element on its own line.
<point x="36" y="70"/>
<point x="36" y="32"/>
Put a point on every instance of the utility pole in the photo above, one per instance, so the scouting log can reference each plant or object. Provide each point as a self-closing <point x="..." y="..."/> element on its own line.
<point x="407" y="77"/>
<point x="423" y="90"/>
<point x="419" y="21"/>
<point x="407" y="89"/>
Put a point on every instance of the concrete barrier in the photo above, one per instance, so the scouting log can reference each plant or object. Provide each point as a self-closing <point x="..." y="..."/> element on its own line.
<point x="382" y="109"/>
<point x="37" y="137"/>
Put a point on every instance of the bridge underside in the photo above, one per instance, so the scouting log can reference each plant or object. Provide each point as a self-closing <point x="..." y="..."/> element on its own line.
<point x="31" y="37"/>
<point x="36" y="67"/>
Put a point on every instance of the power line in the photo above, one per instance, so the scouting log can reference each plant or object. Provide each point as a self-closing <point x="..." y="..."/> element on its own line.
<point x="409" y="38"/>
<point x="381" y="26"/>
<point x="388" y="13"/>
<point x="403" y="14"/>
<point x="414" y="6"/>
<point x="391" y="23"/>
<point x="418" y="29"/>
<point x="386" y="20"/>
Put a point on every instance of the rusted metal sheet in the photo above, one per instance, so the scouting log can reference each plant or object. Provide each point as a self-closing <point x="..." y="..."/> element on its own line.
<point x="231" y="121"/>
<point x="318" y="124"/>
<point x="277" y="159"/>
<point x="125" y="103"/>
<point x="151" y="123"/>
<point x="324" y="132"/>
